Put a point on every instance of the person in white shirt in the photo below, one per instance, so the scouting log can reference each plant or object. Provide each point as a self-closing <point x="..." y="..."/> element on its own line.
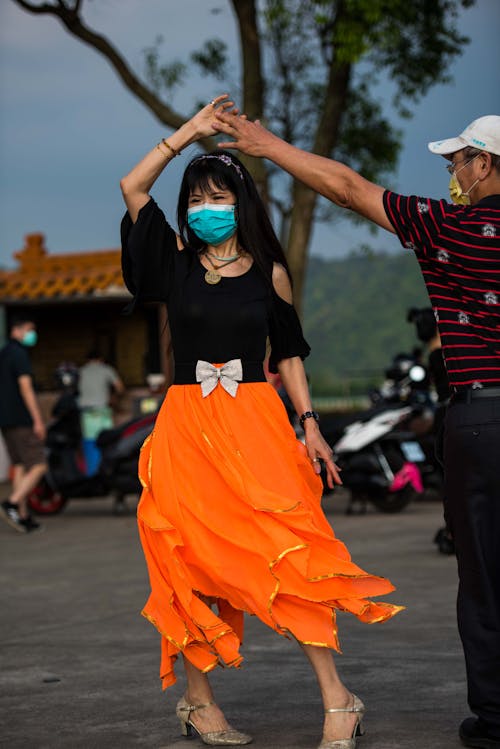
<point x="97" y="381"/>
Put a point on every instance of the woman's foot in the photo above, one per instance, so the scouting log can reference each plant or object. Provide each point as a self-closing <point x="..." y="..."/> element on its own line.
<point x="209" y="719"/>
<point x="343" y="722"/>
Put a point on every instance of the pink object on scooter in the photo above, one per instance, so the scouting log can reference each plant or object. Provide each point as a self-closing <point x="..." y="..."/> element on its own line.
<point x="408" y="474"/>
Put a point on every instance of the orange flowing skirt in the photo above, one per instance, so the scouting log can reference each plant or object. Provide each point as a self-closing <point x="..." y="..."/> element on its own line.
<point x="230" y="510"/>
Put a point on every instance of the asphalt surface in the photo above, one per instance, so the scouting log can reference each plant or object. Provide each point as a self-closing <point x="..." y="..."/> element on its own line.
<point x="79" y="665"/>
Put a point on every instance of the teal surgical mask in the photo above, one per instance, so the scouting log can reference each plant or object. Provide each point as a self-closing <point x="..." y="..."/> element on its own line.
<point x="213" y="223"/>
<point x="30" y="338"/>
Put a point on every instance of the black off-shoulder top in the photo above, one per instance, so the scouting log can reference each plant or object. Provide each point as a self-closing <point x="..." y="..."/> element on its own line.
<point x="229" y="320"/>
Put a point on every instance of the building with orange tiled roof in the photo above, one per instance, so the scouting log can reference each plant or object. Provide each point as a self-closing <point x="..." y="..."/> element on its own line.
<point x="77" y="300"/>
<point x="41" y="277"/>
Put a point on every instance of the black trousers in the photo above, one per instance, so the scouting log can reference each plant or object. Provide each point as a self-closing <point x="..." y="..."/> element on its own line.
<point x="472" y="499"/>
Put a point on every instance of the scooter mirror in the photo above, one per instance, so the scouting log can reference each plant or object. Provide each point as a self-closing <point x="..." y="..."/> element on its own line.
<point x="417" y="373"/>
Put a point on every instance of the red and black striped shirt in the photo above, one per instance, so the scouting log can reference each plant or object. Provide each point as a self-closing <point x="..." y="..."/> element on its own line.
<point x="458" y="249"/>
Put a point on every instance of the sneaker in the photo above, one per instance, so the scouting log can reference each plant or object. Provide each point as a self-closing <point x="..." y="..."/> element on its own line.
<point x="31" y="524"/>
<point x="473" y="734"/>
<point x="10" y="513"/>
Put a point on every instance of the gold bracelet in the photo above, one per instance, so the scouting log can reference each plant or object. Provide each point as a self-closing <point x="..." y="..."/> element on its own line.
<point x="167" y="144"/>
<point x="164" y="153"/>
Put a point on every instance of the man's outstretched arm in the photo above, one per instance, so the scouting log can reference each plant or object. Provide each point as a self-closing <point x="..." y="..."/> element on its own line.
<point x="337" y="182"/>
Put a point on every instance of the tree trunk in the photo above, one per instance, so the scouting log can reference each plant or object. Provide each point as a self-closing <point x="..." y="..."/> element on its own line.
<point x="304" y="199"/>
<point x="252" y="84"/>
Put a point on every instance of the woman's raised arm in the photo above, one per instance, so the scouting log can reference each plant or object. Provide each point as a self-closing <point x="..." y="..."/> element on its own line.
<point x="135" y="186"/>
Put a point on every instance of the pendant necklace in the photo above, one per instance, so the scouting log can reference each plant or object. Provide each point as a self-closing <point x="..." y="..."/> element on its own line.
<point x="211" y="276"/>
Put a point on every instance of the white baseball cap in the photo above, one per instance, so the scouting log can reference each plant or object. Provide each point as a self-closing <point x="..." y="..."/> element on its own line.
<point x="483" y="133"/>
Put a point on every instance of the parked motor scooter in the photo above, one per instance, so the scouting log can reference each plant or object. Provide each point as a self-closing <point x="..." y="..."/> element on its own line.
<point x="379" y="457"/>
<point x="399" y="389"/>
<point x="66" y="477"/>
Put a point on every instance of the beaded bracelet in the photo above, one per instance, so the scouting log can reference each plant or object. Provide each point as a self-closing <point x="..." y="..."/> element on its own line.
<point x="308" y="415"/>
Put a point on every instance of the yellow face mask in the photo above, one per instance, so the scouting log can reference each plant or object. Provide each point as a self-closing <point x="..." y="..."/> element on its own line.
<point x="457" y="195"/>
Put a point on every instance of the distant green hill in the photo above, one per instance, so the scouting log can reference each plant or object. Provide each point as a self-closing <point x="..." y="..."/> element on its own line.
<point x="355" y="317"/>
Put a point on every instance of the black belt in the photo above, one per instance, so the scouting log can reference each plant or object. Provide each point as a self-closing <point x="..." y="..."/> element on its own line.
<point x="466" y="395"/>
<point x="185" y="372"/>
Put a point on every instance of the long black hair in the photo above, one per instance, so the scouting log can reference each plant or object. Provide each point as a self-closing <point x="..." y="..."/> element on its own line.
<point x="255" y="232"/>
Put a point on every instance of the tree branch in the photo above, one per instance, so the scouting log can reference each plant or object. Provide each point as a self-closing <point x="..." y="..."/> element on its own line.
<point x="44" y="8"/>
<point x="73" y="22"/>
<point x="253" y="82"/>
<point x="326" y="136"/>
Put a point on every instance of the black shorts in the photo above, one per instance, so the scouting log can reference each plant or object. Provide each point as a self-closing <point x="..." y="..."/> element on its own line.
<point x="23" y="446"/>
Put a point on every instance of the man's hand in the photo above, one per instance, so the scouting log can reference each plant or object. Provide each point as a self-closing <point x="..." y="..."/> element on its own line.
<point x="39" y="430"/>
<point x="31" y="403"/>
<point x="249" y="137"/>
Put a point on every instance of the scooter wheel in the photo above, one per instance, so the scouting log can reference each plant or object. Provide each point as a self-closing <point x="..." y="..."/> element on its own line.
<point x="43" y="500"/>
<point x="394" y="501"/>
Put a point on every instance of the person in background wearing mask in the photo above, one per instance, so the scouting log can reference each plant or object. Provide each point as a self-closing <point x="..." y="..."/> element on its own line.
<point x="458" y="248"/>
<point x="21" y="424"/>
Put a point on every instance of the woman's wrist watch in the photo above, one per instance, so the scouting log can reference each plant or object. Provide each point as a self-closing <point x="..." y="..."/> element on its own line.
<point x="308" y="415"/>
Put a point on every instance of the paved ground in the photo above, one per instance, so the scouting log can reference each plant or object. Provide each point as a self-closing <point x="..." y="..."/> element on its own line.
<point x="79" y="666"/>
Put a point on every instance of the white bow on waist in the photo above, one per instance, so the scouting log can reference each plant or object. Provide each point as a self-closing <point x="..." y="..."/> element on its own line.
<point x="229" y="375"/>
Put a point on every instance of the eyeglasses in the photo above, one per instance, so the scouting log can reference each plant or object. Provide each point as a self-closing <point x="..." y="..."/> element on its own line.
<point x="450" y="168"/>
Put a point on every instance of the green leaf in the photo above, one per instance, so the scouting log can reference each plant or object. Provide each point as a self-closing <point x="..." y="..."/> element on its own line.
<point x="211" y="59"/>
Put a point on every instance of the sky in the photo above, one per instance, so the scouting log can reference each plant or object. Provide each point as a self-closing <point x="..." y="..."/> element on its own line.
<point x="69" y="129"/>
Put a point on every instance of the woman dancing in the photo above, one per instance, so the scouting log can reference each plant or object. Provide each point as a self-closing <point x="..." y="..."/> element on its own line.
<point x="230" y="516"/>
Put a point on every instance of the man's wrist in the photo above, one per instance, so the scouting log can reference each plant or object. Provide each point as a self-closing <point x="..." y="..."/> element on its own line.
<point x="271" y="147"/>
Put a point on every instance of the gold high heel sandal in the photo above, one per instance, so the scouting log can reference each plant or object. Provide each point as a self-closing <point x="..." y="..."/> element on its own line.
<point x="358" y="708"/>
<point x="229" y="737"/>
